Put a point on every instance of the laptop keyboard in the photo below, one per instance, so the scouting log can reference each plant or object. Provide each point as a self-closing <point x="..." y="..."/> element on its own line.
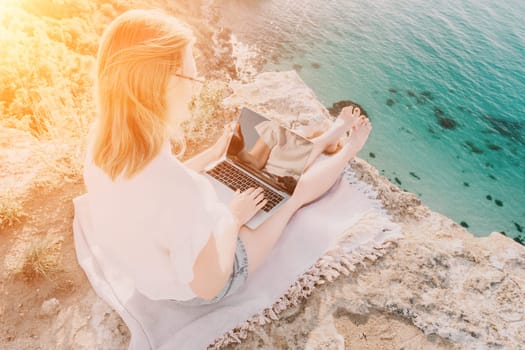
<point x="237" y="180"/>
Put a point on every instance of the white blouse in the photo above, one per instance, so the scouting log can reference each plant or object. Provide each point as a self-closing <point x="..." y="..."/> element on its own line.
<point x="153" y="226"/>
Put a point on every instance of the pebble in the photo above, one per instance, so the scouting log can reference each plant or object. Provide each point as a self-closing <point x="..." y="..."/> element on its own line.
<point x="49" y="307"/>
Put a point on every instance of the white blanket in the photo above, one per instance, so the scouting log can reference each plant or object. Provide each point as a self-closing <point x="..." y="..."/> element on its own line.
<point x="313" y="231"/>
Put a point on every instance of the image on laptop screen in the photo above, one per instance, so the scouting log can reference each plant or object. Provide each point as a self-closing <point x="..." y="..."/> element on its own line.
<point x="269" y="151"/>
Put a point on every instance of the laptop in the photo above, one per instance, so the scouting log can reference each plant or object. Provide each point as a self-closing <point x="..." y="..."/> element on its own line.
<point x="241" y="169"/>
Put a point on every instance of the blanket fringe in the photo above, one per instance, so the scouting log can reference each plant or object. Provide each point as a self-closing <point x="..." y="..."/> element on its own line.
<point x="367" y="240"/>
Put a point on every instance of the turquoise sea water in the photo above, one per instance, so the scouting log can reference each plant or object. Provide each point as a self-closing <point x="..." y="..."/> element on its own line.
<point x="442" y="81"/>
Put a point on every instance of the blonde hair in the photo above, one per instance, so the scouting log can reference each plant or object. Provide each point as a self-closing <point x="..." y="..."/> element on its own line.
<point x="137" y="55"/>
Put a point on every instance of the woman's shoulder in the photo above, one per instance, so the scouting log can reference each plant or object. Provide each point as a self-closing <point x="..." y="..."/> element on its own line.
<point x="165" y="179"/>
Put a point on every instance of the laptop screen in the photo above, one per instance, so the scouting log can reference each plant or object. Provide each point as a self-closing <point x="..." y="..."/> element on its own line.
<point x="272" y="153"/>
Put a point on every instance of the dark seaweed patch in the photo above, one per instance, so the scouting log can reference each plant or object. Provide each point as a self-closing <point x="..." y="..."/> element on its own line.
<point x="447" y="123"/>
<point x="466" y="184"/>
<point x="489" y="197"/>
<point x="413" y="174"/>
<point x="492" y="176"/>
<point x="507" y="128"/>
<point x="464" y="224"/>
<point x="498" y="202"/>
<point x="427" y="94"/>
<point x="372" y="155"/>
<point x="390" y="102"/>
<point x="397" y="180"/>
<point x="473" y="148"/>
<point x="518" y="227"/>
<point x="520" y="240"/>
<point x="493" y="147"/>
<point x="411" y="93"/>
<point x="392" y="90"/>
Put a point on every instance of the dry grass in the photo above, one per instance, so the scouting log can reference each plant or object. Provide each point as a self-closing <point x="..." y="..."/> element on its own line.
<point x="46" y="74"/>
<point x="209" y="116"/>
<point x="41" y="260"/>
<point x="10" y="210"/>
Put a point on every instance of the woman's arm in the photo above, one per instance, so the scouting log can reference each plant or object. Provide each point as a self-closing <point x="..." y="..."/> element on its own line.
<point x="199" y="162"/>
<point x="214" y="264"/>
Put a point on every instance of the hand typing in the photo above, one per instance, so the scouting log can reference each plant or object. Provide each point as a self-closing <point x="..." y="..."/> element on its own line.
<point x="244" y="205"/>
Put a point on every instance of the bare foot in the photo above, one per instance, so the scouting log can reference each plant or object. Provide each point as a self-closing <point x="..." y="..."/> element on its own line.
<point x="350" y="116"/>
<point x="322" y="175"/>
<point x="360" y="132"/>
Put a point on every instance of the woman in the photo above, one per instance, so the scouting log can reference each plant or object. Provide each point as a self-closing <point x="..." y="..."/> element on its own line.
<point x="156" y="219"/>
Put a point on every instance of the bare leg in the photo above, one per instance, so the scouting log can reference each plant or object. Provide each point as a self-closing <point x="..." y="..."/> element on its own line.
<point x="331" y="137"/>
<point x="315" y="182"/>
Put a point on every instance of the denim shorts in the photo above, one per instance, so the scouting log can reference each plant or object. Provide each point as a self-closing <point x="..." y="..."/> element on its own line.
<point x="237" y="278"/>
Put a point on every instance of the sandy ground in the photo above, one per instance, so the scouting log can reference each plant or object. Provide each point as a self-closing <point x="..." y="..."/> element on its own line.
<point x="50" y="215"/>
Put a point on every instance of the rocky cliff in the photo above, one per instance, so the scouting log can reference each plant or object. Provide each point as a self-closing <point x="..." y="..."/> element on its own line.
<point x="438" y="287"/>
